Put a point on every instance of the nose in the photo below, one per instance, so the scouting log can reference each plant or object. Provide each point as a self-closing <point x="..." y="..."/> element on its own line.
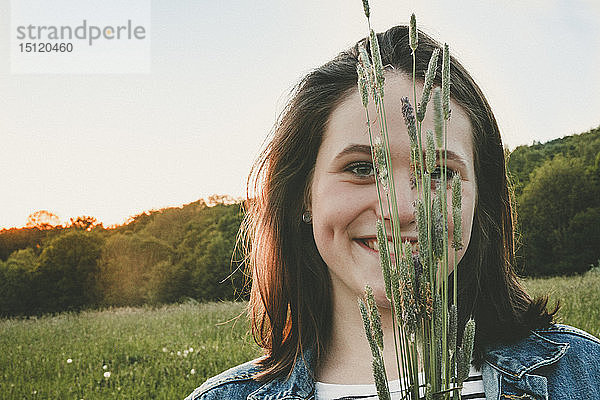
<point x="406" y="196"/>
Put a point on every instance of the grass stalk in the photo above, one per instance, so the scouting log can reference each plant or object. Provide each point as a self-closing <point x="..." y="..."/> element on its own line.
<point x="424" y="331"/>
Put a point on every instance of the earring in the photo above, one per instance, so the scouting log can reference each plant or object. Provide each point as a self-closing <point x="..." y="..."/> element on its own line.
<point x="307" y="217"/>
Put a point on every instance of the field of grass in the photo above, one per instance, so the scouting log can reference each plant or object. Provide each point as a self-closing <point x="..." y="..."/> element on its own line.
<point x="164" y="353"/>
<point x="579" y="298"/>
<point x="161" y="353"/>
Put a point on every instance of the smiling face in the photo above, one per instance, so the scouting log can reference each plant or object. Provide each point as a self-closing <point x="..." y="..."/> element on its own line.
<point x="344" y="201"/>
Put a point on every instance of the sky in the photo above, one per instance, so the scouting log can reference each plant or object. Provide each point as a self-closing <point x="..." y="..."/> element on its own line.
<point x="115" y="145"/>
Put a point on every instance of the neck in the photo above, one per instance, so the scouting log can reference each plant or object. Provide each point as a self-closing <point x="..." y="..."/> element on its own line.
<point x="348" y="359"/>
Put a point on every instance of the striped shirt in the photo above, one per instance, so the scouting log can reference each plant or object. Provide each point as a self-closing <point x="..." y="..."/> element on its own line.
<point x="472" y="390"/>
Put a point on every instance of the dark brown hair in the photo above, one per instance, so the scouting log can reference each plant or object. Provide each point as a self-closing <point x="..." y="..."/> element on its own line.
<point x="290" y="299"/>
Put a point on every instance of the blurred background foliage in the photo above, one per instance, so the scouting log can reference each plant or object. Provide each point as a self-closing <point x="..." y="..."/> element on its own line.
<point x="157" y="257"/>
<point x="557" y="193"/>
<point x="178" y="253"/>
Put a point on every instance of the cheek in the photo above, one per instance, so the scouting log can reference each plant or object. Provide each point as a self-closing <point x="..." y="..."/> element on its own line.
<point x="337" y="212"/>
<point x="330" y="215"/>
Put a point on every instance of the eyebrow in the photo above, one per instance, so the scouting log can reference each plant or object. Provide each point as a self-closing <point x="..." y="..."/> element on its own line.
<point x="353" y="149"/>
<point x="450" y="155"/>
<point x="366" y="149"/>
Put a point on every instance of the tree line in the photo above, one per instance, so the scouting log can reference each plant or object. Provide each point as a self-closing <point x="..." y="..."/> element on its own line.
<point x="557" y="193"/>
<point x="171" y="254"/>
<point x="157" y="257"/>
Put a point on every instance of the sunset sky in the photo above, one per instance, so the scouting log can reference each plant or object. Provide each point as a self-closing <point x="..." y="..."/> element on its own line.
<point x="114" y="145"/>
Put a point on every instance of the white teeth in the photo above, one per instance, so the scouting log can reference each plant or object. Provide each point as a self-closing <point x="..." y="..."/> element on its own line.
<point x="372" y="244"/>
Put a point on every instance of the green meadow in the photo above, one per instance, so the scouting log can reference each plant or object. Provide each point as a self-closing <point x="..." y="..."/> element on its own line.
<point x="164" y="353"/>
<point x="151" y="353"/>
<point x="579" y="298"/>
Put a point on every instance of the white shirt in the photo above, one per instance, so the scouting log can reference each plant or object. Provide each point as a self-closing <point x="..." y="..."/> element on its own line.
<point x="472" y="390"/>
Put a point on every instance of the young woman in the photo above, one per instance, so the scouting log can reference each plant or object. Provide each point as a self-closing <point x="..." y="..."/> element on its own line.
<point x="310" y="231"/>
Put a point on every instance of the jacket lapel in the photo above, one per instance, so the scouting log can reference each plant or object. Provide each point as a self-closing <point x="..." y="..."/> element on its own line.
<point x="298" y="386"/>
<point x="507" y="368"/>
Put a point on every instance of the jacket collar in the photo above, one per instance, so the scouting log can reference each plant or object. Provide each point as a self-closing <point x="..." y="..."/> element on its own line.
<point x="299" y="385"/>
<point x="533" y="352"/>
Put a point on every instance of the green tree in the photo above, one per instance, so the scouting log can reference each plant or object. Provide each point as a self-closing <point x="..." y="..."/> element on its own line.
<point x="67" y="271"/>
<point x="553" y="205"/>
<point x="14" y="239"/>
<point x="126" y="267"/>
<point x="206" y="255"/>
<point x="16" y="275"/>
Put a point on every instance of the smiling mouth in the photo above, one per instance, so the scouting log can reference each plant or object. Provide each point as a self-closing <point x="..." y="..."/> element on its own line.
<point x="372" y="245"/>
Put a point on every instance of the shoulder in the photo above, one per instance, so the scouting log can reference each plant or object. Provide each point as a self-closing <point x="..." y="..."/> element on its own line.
<point x="557" y="362"/>
<point x="583" y="349"/>
<point x="570" y="334"/>
<point x="556" y="345"/>
<point x="235" y="383"/>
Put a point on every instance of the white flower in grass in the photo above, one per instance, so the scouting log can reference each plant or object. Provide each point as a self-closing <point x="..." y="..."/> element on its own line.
<point x="105" y="367"/>
<point x="69" y="361"/>
<point x="107" y="374"/>
<point x="192" y="371"/>
<point x="185" y="353"/>
<point x="178" y="353"/>
<point x="164" y="349"/>
<point x="191" y="349"/>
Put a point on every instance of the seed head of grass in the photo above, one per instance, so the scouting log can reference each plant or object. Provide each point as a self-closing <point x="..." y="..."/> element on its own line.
<point x="363" y="83"/>
<point x="452" y="327"/>
<point x="429" y="78"/>
<point x="374" y="316"/>
<point x="384" y="259"/>
<point x="438" y="310"/>
<point x="446" y="81"/>
<point x="366" y="8"/>
<point x="421" y="217"/>
<point x="367" y="325"/>
<point x="437" y="234"/>
<point x="365" y="61"/>
<point x="377" y="63"/>
<point x="412" y="33"/>
<point x="466" y="350"/>
<point x="428" y="392"/>
<point x="425" y="299"/>
<point x="438" y="117"/>
<point x="380" y="379"/>
<point x="407" y="277"/>
<point x="456" y="212"/>
<point x="397" y="292"/>
<point x="380" y="163"/>
<point x="430" y="156"/>
<point x="409" y="121"/>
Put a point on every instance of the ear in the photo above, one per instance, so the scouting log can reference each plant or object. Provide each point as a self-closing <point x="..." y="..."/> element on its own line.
<point x="307" y="198"/>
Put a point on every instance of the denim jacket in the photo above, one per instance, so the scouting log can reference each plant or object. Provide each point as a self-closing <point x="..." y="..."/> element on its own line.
<point x="557" y="363"/>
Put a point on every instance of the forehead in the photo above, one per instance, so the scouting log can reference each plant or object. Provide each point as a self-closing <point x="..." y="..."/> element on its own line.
<point x="348" y="121"/>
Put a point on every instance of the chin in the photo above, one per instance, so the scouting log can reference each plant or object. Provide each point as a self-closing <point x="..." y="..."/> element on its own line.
<point x="380" y="297"/>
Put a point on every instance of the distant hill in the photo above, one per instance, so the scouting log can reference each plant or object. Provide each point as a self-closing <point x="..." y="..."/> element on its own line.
<point x="159" y="256"/>
<point x="557" y="192"/>
<point x="524" y="159"/>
